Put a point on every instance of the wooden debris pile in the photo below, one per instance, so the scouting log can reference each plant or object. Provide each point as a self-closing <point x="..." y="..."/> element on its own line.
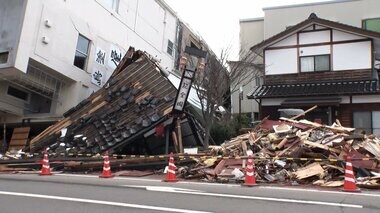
<point x="294" y="152"/>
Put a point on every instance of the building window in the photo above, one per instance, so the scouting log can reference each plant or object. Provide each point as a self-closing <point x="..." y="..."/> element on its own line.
<point x="81" y="53"/>
<point x="315" y="63"/>
<point x="170" y="47"/>
<point x="372" y="24"/>
<point x="368" y="121"/>
<point x="258" y="80"/>
<point x="17" y="93"/>
<point x="111" y="4"/>
<point x="4" y="57"/>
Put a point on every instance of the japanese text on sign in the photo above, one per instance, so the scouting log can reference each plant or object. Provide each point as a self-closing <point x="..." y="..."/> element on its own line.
<point x="115" y="56"/>
<point x="100" y="56"/>
<point x="182" y="94"/>
<point x="97" y="77"/>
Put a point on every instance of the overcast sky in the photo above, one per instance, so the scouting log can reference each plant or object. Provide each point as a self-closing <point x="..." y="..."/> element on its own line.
<point x="217" y="21"/>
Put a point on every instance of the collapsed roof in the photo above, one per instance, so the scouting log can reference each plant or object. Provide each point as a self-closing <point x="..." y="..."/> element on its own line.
<point x="133" y="105"/>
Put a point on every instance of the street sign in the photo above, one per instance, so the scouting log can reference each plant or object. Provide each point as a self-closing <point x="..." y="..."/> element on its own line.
<point x="183" y="90"/>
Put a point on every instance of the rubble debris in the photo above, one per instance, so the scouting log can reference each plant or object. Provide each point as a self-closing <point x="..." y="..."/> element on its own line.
<point x="297" y="143"/>
<point x="284" y="151"/>
<point x="19" y="138"/>
<point x="309" y="171"/>
<point x="124" y="116"/>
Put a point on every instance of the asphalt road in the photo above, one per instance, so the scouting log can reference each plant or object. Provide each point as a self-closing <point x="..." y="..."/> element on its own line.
<point x="80" y="193"/>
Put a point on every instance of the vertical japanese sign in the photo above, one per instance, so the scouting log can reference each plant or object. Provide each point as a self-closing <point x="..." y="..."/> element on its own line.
<point x="183" y="91"/>
<point x="97" y="77"/>
<point x="100" y="56"/>
<point x="115" y="56"/>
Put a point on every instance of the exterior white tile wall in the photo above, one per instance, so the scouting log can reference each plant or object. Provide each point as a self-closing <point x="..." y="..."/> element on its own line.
<point x="146" y="25"/>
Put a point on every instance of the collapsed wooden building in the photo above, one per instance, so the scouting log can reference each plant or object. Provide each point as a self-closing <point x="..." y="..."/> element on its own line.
<point x="130" y="114"/>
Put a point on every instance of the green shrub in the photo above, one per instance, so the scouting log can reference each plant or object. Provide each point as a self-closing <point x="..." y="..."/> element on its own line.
<point x="221" y="132"/>
<point x="228" y="128"/>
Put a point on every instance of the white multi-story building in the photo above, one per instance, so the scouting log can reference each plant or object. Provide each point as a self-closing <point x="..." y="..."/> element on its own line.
<point x="55" y="53"/>
<point x="358" y="13"/>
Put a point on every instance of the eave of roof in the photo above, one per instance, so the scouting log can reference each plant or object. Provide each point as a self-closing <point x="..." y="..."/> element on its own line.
<point x="316" y="89"/>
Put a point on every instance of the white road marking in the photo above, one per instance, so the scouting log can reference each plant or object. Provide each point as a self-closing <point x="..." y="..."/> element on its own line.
<point x="283" y="200"/>
<point x="319" y="191"/>
<point x="231" y="185"/>
<point x="73" y="175"/>
<point x="162" y="188"/>
<point x="99" y="202"/>
<point x="152" y="180"/>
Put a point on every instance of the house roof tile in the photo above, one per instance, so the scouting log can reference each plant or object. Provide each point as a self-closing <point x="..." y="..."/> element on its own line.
<point x="316" y="89"/>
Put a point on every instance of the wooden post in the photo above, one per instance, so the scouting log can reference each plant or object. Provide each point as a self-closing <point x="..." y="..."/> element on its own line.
<point x="179" y="132"/>
<point x="175" y="142"/>
<point x="167" y="139"/>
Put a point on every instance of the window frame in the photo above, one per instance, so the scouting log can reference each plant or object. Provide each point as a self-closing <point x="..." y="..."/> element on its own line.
<point x="112" y="6"/>
<point x="364" y="23"/>
<point x="82" y="53"/>
<point x="314" y="64"/>
<point x="170" y="48"/>
<point x="115" y="5"/>
<point x="371" y="120"/>
<point x="6" y="57"/>
<point x="27" y="100"/>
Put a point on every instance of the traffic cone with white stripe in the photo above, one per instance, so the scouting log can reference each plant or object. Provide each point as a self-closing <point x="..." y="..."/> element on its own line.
<point x="45" y="170"/>
<point x="349" y="178"/>
<point x="106" y="167"/>
<point x="170" y="175"/>
<point x="250" y="179"/>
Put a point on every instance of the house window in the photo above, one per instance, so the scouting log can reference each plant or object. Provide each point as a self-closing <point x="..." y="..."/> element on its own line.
<point x="17" y="93"/>
<point x="258" y="80"/>
<point x="4" y="57"/>
<point x="372" y="24"/>
<point x="111" y="4"/>
<point x="315" y="63"/>
<point x="81" y="53"/>
<point x="368" y="121"/>
<point x="170" y="48"/>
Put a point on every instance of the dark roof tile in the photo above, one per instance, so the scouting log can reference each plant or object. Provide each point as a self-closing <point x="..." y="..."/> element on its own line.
<point x="315" y="89"/>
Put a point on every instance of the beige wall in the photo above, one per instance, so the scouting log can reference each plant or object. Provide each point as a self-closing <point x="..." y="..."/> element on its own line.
<point x="250" y="33"/>
<point x="347" y="12"/>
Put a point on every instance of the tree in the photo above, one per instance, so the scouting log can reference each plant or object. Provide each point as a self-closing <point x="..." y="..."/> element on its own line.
<point x="218" y="79"/>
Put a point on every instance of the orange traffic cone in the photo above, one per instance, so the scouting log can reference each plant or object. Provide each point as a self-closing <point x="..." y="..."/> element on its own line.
<point x="45" y="170"/>
<point x="349" y="177"/>
<point x="250" y="179"/>
<point x="170" y="175"/>
<point x="106" y="167"/>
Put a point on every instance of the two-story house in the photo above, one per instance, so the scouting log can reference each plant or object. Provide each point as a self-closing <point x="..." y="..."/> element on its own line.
<point x="359" y="13"/>
<point x="325" y="63"/>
